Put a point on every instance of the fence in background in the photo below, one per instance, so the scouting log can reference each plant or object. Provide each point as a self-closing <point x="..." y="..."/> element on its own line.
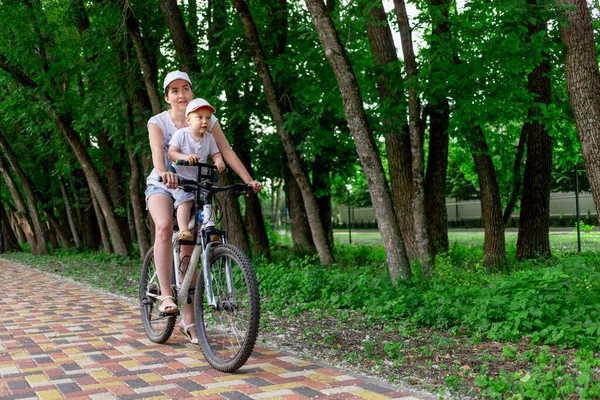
<point x="468" y="213"/>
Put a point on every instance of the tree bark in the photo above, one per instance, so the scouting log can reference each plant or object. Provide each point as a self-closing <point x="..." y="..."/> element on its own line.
<point x="439" y="117"/>
<point x="416" y="140"/>
<point x="299" y="226"/>
<point x="240" y="127"/>
<point x="41" y="234"/>
<point x="534" y="221"/>
<point x="397" y="141"/>
<point x="583" y="84"/>
<point x="147" y="63"/>
<point x="104" y="235"/>
<point x="21" y="214"/>
<point x="115" y="180"/>
<point x="310" y="201"/>
<point x="95" y="185"/>
<point x="70" y="215"/>
<point x="58" y="229"/>
<point x="365" y="144"/>
<point x="11" y="243"/>
<point x="182" y="40"/>
<point x="494" y="246"/>
<point x="16" y="227"/>
<point x="137" y="203"/>
<point x="232" y="221"/>
<point x="517" y="178"/>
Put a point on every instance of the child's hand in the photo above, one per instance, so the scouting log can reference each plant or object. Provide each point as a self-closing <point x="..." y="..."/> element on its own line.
<point x="220" y="166"/>
<point x="192" y="158"/>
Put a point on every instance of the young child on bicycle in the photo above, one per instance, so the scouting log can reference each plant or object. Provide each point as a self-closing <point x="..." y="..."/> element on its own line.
<point x="193" y="143"/>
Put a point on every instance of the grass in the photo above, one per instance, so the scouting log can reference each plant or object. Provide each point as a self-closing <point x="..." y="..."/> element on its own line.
<point x="559" y="241"/>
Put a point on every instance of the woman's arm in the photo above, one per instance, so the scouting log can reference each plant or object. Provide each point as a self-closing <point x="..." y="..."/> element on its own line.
<point x="232" y="159"/>
<point x="156" y="137"/>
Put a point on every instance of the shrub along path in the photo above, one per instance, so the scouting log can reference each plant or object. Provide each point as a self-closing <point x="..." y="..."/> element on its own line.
<point x="59" y="339"/>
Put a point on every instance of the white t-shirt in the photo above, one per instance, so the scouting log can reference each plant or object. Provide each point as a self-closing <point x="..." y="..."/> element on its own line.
<point x="166" y="125"/>
<point x="186" y="144"/>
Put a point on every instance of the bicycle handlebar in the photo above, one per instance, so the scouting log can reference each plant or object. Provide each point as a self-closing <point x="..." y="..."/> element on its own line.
<point x="196" y="164"/>
<point x="190" y="185"/>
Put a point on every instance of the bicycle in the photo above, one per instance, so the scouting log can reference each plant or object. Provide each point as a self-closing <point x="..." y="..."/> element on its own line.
<point x="226" y="297"/>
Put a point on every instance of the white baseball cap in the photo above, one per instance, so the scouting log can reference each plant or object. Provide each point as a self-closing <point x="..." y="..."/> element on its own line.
<point x="196" y="104"/>
<point x="173" y="76"/>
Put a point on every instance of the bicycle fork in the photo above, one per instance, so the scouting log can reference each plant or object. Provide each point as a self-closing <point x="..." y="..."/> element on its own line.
<point x="206" y="273"/>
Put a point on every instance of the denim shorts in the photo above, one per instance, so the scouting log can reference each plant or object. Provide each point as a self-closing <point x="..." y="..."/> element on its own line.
<point x="178" y="195"/>
<point x="152" y="189"/>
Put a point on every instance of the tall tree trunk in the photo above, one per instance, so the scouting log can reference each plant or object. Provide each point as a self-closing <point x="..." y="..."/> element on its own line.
<point x="137" y="204"/>
<point x="21" y="214"/>
<point x="256" y="223"/>
<point x="397" y="141"/>
<point x="583" y="84"/>
<point x="439" y="117"/>
<point x="41" y="234"/>
<point x="182" y="40"/>
<point x="138" y="104"/>
<point x="70" y="214"/>
<point x="494" y="246"/>
<point x="240" y="142"/>
<point x="416" y="139"/>
<point x="115" y="180"/>
<point x="14" y="223"/>
<point x="58" y="229"/>
<point x="517" y="178"/>
<point x="310" y="201"/>
<point x="299" y="226"/>
<point x="147" y="63"/>
<point x="534" y="221"/>
<point x="104" y="235"/>
<point x="93" y="179"/>
<point x="232" y="220"/>
<point x="365" y="144"/>
<point x="11" y="243"/>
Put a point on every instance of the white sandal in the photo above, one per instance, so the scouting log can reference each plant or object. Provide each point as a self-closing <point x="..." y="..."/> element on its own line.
<point x="168" y="308"/>
<point x="185" y="329"/>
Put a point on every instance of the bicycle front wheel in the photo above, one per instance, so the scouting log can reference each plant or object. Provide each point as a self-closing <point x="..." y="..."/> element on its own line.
<point x="227" y="330"/>
<point x="158" y="326"/>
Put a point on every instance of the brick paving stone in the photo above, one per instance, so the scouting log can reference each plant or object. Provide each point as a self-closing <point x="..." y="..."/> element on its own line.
<point x="59" y="339"/>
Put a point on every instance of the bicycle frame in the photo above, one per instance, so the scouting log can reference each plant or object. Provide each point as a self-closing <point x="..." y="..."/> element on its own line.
<point x="202" y="247"/>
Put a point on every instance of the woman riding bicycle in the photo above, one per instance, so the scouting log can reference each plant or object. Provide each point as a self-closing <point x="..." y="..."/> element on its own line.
<point x="159" y="195"/>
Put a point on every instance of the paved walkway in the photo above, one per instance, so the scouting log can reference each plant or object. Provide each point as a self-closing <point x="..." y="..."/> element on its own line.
<point x="61" y="340"/>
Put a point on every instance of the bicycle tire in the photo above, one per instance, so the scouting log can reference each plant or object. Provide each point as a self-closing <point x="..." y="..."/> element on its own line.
<point x="158" y="326"/>
<point x="228" y="333"/>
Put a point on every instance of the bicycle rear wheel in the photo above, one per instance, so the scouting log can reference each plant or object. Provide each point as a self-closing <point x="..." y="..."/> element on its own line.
<point x="227" y="332"/>
<point x="158" y="326"/>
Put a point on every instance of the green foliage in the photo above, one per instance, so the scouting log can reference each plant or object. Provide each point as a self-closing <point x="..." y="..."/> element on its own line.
<point x="583" y="227"/>
<point x="551" y="377"/>
<point x="556" y="302"/>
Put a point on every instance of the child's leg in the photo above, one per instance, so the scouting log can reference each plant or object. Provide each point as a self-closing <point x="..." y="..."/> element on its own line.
<point x="183" y="215"/>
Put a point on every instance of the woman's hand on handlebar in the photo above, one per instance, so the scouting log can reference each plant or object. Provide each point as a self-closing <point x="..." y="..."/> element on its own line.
<point x="169" y="179"/>
<point x="256" y="186"/>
